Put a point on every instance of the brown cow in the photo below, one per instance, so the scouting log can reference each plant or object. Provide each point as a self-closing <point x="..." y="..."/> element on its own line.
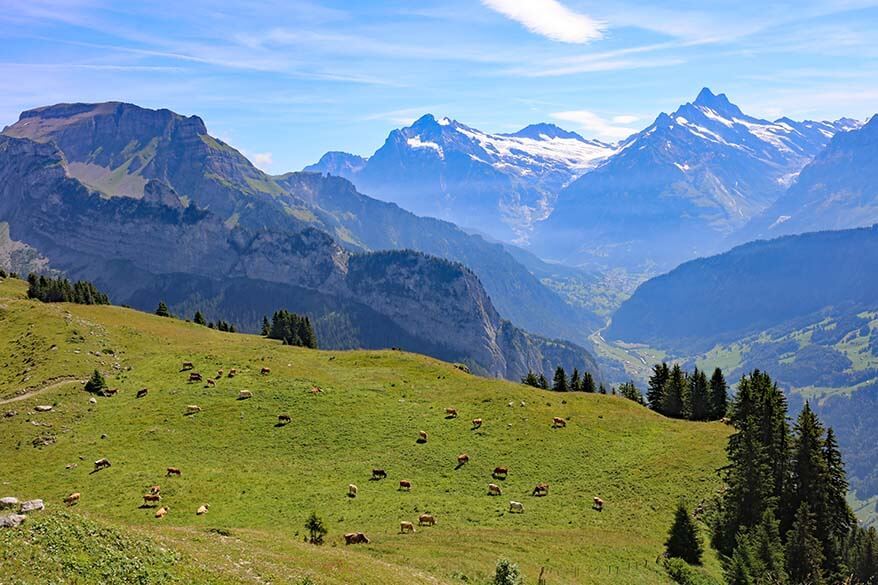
<point x="284" y="419"/>
<point x="379" y="474"/>
<point x="162" y="512"/>
<point x="352" y="491"/>
<point x="151" y="499"/>
<point x="142" y="392"/>
<point x="211" y="383"/>
<point x="315" y="390"/>
<point x="494" y="490"/>
<point x="462" y="459"/>
<point x="187" y="366"/>
<point x="542" y="489"/>
<point x="598" y="504"/>
<point x="406" y="527"/>
<point x="155" y="489"/>
<point x="244" y="395"/>
<point x="265" y="371"/>
<point x="173" y="471"/>
<point x="500" y="472"/>
<point x="355" y="538"/>
<point x="72" y="499"/>
<point x="558" y="422"/>
<point x="233" y="372"/>
<point x="202" y="509"/>
<point x="195" y="377"/>
<point x="427" y="520"/>
<point x="422" y="436"/>
<point x="110" y="391"/>
<point x="405" y="484"/>
<point x="477" y="422"/>
<point x="192" y="409"/>
<point x="101" y="464"/>
<point x="219" y="374"/>
<point x="450" y="412"/>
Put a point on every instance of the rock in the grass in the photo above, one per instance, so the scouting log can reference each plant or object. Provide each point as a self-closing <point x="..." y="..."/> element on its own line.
<point x="10" y="413"/>
<point x="31" y="506"/>
<point x="8" y="503"/>
<point x="43" y="407"/>
<point x="12" y="521"/>
<point x="92" y="400"/>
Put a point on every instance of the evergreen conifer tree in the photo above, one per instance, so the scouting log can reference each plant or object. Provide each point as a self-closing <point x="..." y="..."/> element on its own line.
<point x="199" y="319"/>
<point x="162" y="310"/>
<point x="544" y="384"/>
<point x="656" y="390"/>
<point x="698" y="398"/>
<point x="630" y="391"/>
<point x="575" y="383"/>
<point x="266" y="327"/>
<point x="684" y="541"/>
<point x="718" y="395"/>
<point x="804" y="553"/>
<point x="96" y="383"/>
<point x="587" y="384"/>
<point x="675" y="391"/>
<point x="531" y="379"/>
<point x="559" y="382"/>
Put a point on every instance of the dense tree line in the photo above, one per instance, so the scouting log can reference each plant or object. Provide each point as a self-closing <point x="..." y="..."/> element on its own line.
<point x="783" y="518"/>
<point x="677" y="394"/>
<point x="61" y="290"/>
<point x="292" y="329"/>
<point x="560" y="381"/>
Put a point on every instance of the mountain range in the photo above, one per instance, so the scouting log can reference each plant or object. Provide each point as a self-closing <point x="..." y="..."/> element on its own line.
<point x="148" y="205"/>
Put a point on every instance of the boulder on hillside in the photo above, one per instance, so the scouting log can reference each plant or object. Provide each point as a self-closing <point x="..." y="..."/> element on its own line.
<point x="8" y="503"/>
<point x="12" y="521"/>
<point x="31" y="506"/>
<point x="43" y="407"/>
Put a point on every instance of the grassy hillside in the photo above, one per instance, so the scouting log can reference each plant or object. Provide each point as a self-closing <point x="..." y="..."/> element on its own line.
<point x="262" y="481"/>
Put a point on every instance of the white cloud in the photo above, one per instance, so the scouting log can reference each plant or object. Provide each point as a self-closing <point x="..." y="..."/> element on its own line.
<point x="550" y="19"/>
<point x="262" y="160"/>
<point x="597" y="126"/>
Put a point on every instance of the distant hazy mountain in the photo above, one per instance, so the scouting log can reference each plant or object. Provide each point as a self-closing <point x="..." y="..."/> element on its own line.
<point x="155" y="247"/>
<point x="676" y="189"/>
<point x="837" y="190"/>
<point x="124" y="150"/>
<point x="499" y="184"/>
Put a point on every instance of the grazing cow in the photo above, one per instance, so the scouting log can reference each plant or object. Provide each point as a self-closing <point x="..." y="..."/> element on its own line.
<point x="195" y="377"/>
<point x="110" y="391"/>
<point x="598" y="504"/>
<point x="558" y="422"/>
<point x="219" y="374"/>
<point x="477" y="422"/>
<point x="174" y="471"/>
<point x="462" y="459"/>
<point x="233" y="372"/>
<point x="516" y="507"/>
<point x="494" y="490"/>
<point x="155" y="490"/>
<point x="211" y="383"/>
<point x="187" y="366"/>
<point x="315" y="390"/>
<point x="142" y="392"/>
<point x="511" y="403"/>
<point x="355" y="538"/>
<point x="542" y="489"/>
<point x="427" y="520"/>
<point x="500" y="472"/>
<point x="406" y="527"/>
<point x="162" y="512"/>
<point x="244" y="395"/>
<point x="72" y="499"/>
<point x="265" y="371"/>
<point x="101" y="464"/>
<point x="405" y="484"/>
<point x="202" y="509"/>
<point x="422" y="436"/>
<point x="450" y="412"/>
<point x="379" y="474"/>
<point x="726" y="421"/>
<point x="352" y="491"/>
<point x="523" y="404"/>
<point x="192" y="409"/>
<point x="151" y="499"/>
<point x="284" y="419"/>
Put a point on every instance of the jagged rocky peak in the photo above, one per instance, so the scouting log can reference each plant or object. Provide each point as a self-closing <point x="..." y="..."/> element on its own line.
<point x="717" y="102"/>
<point x="545" y="130"/>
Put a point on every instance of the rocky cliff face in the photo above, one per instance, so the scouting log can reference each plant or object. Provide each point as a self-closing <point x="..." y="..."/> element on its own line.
<point x="153" y="244"/>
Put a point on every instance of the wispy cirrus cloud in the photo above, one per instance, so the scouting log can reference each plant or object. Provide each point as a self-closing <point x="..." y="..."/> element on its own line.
<point x="550" y="19"/>
<point x="594" y="125"/>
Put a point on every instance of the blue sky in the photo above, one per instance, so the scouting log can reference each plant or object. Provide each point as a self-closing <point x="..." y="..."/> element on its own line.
<point x="286" y="80"/>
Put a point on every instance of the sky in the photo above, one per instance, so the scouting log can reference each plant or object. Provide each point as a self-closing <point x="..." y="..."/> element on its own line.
<point x="286" y="80"/>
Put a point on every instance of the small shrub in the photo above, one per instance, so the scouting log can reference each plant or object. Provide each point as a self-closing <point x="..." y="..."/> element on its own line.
<point x="96" y="383"/>
<point x="507" y="573"/>
<point x="316" y="529"/>
<point x="685" y="574"/>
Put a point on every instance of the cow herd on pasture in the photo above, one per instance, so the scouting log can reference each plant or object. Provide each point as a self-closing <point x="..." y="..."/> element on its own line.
<point x="153" y="496"/>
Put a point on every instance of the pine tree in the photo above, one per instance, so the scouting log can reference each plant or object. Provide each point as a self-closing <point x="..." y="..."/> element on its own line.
<point x="808" y="467"/>
<point x="602" y="389"/>
<point x="575" y="383"/>
<point x="266" y="327"/>
<point x="675" y="391"/>
<point x="544" y="384"/>
<point x="804" y="553"/>
<point x="531" y="379"/>
<point x="559" y="382"/>
<point x="162" y="310"/>
<point x="587" y="383"/>
<point x="96" y="383"/>
<point x="199" y="319"/>
<point x="684" y="541"/>
<point x="718" y="395"/>
<point x="698" y="399"/>
<point x="316" y="529"/>
<point x="656" y="390"/>
<point x="630" y="391"/>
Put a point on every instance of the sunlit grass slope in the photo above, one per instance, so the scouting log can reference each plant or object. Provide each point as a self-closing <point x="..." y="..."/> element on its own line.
<point x="262" y="480"/>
